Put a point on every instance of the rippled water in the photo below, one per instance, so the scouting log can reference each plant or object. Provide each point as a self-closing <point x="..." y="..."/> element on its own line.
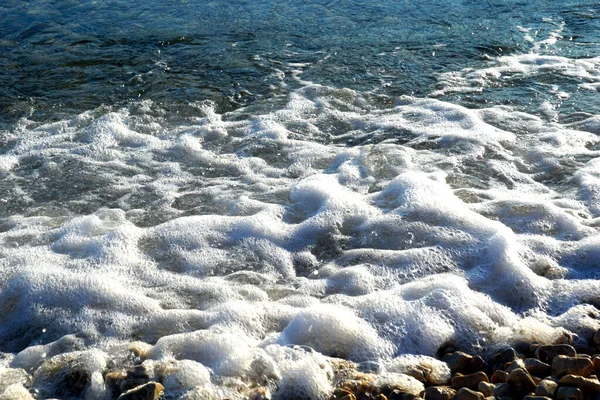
<point x="239" y="193"/>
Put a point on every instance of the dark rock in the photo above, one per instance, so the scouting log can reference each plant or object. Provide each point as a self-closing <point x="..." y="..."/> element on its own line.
<point x="509" y="367"/>
<point x="129" y="384"/>
<point x="530" y="397"/>
<point x="546" y="387"/>
<point x="502" y="390"/>
<point x="499" y="376"/>
<point x="502" y="357"/>
<point x="596" y="338"/>
<point x="148" y="391"/>
<point x="536" y="367"/>
<point x="563" y="365"/>
<point x="438" y="393"/>
<point x="469" y="381"/>
<point x="380" y="396"/>
<point x="477" y="364"/>
<point x="520" y="382"/>
<point x="457" y="361"/>
<point x="113" y="380"/>
<point x="468" y="394"/>
<point x="596" y="362"/>
<point x="569" y="393"/>
<point x="547" y="352"/>
<point x="587" y="385"/>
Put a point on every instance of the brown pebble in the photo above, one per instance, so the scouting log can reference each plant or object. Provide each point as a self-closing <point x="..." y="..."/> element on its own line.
<point x="339" y="394"/>
<point x="469" y="381"/>
<point x="530" y="397"/>
<point x="520" y="381"/>
<point x="477" y="364"/>
<point x="457" y="361"/>
<point x="113" y="381"/>
<point x="547" y="352"/>
<point x="596" y="362"/>
<point x="546" y="387"/>
<point x="518" y="363"/>
<point x="380" y="396"/>
<point x="499" y="376"/>
<point x="468" y="394"/>
<point x="149" y="391"/>
<point x="569" y="393"/>
<point x="585" y="384"/>
<point x="486" y="388"/>
<point x="563" y="365"/>
<point x="536" y="367"/>
<point x="419" y="372"/>
<point x="438" y="393"/>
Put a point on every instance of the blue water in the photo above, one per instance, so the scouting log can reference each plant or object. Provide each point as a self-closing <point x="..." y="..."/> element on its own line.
<point x="70" y="56"/>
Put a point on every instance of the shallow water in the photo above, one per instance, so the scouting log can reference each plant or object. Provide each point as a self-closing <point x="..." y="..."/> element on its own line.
<point x="243" y="191"/>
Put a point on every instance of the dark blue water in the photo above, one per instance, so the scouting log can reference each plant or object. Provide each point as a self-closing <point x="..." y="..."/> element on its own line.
<point x="73" y="55"/>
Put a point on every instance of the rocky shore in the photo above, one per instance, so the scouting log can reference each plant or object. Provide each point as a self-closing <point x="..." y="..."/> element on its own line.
<point x="528" y="371"/>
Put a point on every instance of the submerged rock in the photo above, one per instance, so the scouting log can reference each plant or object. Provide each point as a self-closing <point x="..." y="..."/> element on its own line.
<point x="148" y="391"/>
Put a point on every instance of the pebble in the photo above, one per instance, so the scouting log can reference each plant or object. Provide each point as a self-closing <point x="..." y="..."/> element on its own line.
<point x="469" y="381"/>
<point x="563" y="365"/>
<point x="530" y="397"/>
<point x="520" y="381"/>
<point x="547" y="352"/>
<point x="596" y="338"/>
<point x="486" y="388"/>
<point x="596" y="362"/>
<point x="546" y="387"/>
<point x="502" y="357"/>
<point x="537" y="367"/>
<point x="148" y="391"/>
<point x="499" y="376"/>
<point x="468" y="394"/>
<point x="569" y="393"/>
<point x="502" y="390"/>
<point x="457" y="361"/>
<point x="585" y="384"/>
<point x="339" y="394"/>
<point x="438" y="393"/>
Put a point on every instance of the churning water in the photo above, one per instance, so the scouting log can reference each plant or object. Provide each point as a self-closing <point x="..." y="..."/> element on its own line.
<point x="243" y="190"/>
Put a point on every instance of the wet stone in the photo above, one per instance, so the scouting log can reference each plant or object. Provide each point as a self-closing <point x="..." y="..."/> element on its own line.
<point x="530" y="397"/>
<point x="596" y="362"/>
<point x="502" y="357"/>
<point x="546" y="387"/>
<point x="486" y="388"/>
<point x="563" y="365"/>
<point x="509" y="367"/>
<point x="457" y="361"/>
<point x="596" y="338"/>
<point x="520" y="381"/>
<point x="339" y="394"/>
<point x="469" y="381"/>
<point x="536" y="367"/>
<point x="468" y="394"/>
<point x="438" y="393"/>
<point x="113" y="381"/>
<point x="569" y="393"/>
<point x="129" y="384"/>
<point x="149" y="391"/>
<point x="499" y="376"/>
<point x="502" y="390"/>
<point x="585" y="384"/>
<point x="547" y="352"/>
